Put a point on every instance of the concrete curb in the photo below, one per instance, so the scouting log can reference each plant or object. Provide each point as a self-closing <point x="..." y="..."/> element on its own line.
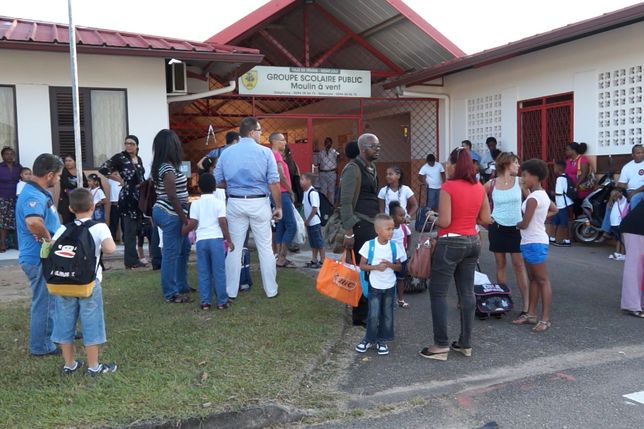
<point x="250" y="418"/>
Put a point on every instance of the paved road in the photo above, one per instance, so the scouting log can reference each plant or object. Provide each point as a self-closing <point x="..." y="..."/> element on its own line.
<point x="572" y="376"/>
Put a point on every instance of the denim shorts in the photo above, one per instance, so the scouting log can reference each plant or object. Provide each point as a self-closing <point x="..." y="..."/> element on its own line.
<point x="90" y="313"/>
<point x="561" y="218"/>
<point x="534" y="253"/>
<point x="315" y="236"/>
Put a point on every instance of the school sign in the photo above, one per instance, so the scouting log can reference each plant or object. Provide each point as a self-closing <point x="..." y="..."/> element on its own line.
<point x="305" y="81"/>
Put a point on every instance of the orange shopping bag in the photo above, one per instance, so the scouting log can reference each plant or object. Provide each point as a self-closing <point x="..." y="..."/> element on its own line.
<point x="340" y="280"/>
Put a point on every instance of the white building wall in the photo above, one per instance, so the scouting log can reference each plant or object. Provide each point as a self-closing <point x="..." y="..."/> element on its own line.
<point x="32" y="72"/>
<point x="571" y="67"/>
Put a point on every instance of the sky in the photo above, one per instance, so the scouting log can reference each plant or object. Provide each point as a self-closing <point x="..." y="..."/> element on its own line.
<point x="473" y="25"/>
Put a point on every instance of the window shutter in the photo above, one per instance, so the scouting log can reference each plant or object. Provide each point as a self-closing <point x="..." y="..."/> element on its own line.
<point x="62" y="122"/>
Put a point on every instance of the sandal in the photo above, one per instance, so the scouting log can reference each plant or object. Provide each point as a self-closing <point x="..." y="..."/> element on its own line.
<point x="525" y="318"/>
<point x="178" y="299"/>
<point x="287" y="264"/>
<point x="542" y="325"/>
<point x="312" y="264"/>
<point x="402" y="303"/>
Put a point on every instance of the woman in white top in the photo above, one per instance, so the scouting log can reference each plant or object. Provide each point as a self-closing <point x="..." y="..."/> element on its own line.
<point x="395" y="191"/>
<point x="504" y="193"/>
<point x="534" y="242"/>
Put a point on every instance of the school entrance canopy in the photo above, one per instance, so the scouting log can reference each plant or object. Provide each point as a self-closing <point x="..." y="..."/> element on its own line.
<point x="385" y="38"/>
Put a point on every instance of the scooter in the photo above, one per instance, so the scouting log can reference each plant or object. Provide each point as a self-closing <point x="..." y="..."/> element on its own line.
<point x="586" y="228"/>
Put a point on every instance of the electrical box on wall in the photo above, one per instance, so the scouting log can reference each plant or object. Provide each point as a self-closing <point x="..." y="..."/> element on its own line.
<point x="176" y="78"/>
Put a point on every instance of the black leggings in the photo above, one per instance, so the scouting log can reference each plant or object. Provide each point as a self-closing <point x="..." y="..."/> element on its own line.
<point x="364" y="231"/>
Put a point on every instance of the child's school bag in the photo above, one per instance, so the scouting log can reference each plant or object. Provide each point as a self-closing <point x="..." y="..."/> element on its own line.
<point x="492" y="300"/>
<point x="326" y="208"/>
<point x="245" y="279"/>
<point x="70" y="267"/>
<point x="364" y="276"/>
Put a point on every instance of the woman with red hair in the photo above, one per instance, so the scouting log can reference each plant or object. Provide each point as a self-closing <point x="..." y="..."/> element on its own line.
<point x="462" y="205"/>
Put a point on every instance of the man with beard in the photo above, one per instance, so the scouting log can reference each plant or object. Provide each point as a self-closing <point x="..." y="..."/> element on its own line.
<point x="359" y="204"/>
<point x="36" y="222"/>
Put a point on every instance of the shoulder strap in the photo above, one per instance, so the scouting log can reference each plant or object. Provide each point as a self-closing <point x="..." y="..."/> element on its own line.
<point x="393" y="251"/>
<point x="492" y="185"/>
<point x="308" y="197"/>
<point x="358" y="182"/>
<point x="372" y="248"/>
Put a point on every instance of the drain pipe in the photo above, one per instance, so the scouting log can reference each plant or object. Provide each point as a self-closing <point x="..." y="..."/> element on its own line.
<point x="448" y="117"/>
<point x="229" y="88"/>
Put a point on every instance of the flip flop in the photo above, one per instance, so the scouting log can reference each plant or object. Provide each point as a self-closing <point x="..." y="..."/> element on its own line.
<point x="638" y="314"/>
<point x="287" y="264"/>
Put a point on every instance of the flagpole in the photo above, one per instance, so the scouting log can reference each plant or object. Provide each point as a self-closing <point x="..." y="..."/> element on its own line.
<point x="75" y="98"/>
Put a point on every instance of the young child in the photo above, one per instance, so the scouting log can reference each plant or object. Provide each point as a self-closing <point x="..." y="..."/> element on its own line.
<point x="619" y="209"/>
<point x="208" y="216"/>
<point x="534" y="242"/>
<point x="396" y="191"/>
<point x="89" y="311"/>
<point x="559" y="235"/>
<point x="143" y="232"/>
<point x="25" y="176"/>
<point x="401" y="237"/>
<point x="311" y="201"/>
<point x="100" y="201"/>
<point x="382" y="281"/>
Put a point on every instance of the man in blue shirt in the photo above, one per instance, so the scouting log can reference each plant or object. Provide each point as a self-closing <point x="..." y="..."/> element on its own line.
<point x="248" y="172"/>
<point x="36" y="221"/>
<point x="466" y="144"/>
<point x="232" y="138"/>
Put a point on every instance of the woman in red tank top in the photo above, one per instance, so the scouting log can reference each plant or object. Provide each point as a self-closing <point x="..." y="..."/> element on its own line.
<point x="462" y="205"/>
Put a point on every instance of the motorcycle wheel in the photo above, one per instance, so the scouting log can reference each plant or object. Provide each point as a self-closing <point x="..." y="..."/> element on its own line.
<point x="586" y="233"/>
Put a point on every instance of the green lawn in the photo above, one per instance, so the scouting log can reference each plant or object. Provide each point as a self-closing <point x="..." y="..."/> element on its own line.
<point x="175" y="360"/>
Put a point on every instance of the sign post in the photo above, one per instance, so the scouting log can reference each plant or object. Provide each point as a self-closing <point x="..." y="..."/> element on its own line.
<point x="75" y="98"/>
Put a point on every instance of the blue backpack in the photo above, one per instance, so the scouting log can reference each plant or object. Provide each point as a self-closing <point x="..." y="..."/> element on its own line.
<point x="364" y="276"/>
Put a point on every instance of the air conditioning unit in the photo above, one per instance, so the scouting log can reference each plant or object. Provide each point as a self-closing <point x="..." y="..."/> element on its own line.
<point x="176" y="78"/>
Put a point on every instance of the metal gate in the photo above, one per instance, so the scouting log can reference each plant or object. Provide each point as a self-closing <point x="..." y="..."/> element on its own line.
<point x="545" y="127"/>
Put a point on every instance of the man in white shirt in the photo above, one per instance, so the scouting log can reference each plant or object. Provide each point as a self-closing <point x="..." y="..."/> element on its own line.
<point x="632" y="176"/>
<point x="327" y="166"/>
<point x="433" y="174"/>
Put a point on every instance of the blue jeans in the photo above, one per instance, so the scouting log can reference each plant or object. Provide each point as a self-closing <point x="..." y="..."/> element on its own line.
<point x="380" y="322"/>
<point x="211" y="270"/>
<point x="636" y="199"/>
<point x="432" y="198"/>
<point x="286" y="228"/>
<point x="42" y="312"/>
<point x="176" y="247"/>
<point x="90" y="313"/>
<point x="454" y="258"/>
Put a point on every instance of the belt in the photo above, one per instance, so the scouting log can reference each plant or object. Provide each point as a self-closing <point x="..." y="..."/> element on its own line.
<point x="451" y="234"/>
<point x="114" y="203"/>
<point x="327" y="171"/>
<point x="247" y="197"/>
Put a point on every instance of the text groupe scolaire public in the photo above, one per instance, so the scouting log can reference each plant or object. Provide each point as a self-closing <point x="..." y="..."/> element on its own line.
<point x="314" y="78"/>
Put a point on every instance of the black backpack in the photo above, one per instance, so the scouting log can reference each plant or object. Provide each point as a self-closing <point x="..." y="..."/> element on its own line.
<point x="326" y="208"/>
<point x="571" y="190"/>
<point x="492" y="300"/>
<point x="70" y="267"/>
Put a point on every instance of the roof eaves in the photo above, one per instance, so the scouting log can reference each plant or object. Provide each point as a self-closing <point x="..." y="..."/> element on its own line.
<point x="571" y="32"/>
<point x="180" y="54"/>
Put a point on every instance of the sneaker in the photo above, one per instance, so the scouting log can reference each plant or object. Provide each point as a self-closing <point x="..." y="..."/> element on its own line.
<point x="103" y="368"/>
<point x="382" y="349"/>
<point x="564" y="243"/>
<point x="612" y="256"/>
<point x="620" y="257"/>
<point x="552" y="239"/>
<point x="363" y="346"/>
<point x="69" y="371"/>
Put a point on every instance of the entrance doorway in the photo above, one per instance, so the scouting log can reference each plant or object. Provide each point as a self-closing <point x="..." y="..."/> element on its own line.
<point x="545" y="127"/>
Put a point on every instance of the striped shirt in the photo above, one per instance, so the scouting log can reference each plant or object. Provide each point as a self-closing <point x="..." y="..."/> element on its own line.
<point x="181" y="185"/>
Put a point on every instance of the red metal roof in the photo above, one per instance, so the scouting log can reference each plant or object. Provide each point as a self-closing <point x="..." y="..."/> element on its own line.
<point x="569" y="33"/>
<point x="16" y="33"/>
